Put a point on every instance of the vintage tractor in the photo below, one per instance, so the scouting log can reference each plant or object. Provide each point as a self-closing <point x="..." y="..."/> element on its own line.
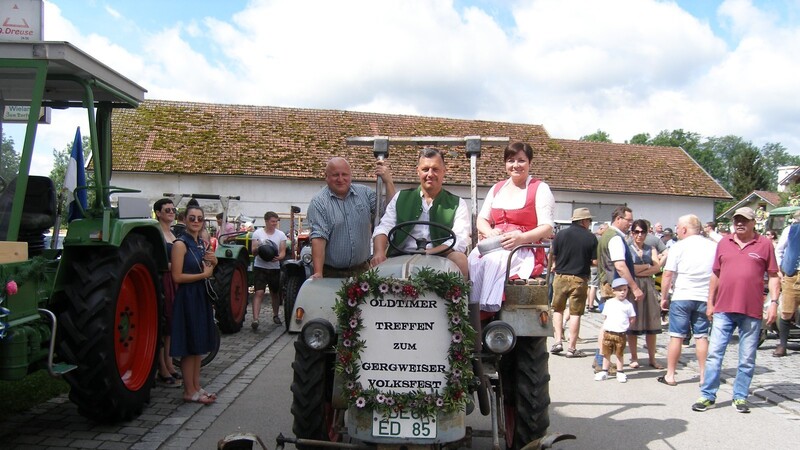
<point x="91" y="311"/>
<point x="230" y="279"/>
<point x="395" y="358"/>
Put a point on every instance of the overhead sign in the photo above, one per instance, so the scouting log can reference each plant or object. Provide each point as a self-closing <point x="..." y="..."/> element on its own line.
<point x="21" y="20"/>
<point x="20" y="114"/>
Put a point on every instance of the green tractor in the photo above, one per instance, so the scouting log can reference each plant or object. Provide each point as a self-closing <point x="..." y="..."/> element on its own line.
<point x="91" y="311"/>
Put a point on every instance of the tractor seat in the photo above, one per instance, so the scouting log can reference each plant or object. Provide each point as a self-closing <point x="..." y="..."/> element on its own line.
<point x="38" y="212"/>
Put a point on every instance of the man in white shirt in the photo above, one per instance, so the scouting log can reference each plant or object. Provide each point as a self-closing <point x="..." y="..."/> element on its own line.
<point x="688" y="267"/>
<point x="429" y="202"/>
<point x="268" y="273"/>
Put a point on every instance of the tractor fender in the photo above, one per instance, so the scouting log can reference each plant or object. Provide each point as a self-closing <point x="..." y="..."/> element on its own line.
<point x="317" y="297"/>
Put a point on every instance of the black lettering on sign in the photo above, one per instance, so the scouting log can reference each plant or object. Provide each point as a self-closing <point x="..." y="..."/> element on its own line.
<point x="405" y="345"/>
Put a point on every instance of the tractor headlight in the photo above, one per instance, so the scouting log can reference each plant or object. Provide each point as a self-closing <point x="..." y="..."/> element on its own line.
<point x="318" y="334"/>
<point x="306" y="258"/>
<point x="499" y="337"/>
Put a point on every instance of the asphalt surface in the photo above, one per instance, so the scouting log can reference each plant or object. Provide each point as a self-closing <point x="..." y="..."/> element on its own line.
<point x="247" y="378"/>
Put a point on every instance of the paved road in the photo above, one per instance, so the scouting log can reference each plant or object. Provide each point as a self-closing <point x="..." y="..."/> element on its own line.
<point x="252" y="375"/>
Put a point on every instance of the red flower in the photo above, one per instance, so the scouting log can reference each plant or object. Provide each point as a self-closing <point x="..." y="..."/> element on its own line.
<point x="11" y="287"/>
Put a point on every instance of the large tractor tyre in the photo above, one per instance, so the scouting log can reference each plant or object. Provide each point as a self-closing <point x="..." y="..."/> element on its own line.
<point x="230" y="284"/>
<point x="526" y="392"/>
<point x="291" y="288"/>
<point x="109" y="328"/>
<point x="312" y="390"/>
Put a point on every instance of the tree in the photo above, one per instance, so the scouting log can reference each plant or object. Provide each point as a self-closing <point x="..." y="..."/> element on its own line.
<point x="597" y="136"/>
<point x="9" y="160"/>
<point x="774" y="155"/>
<point x="747" y="172"/>
<point x="640" y="139"/>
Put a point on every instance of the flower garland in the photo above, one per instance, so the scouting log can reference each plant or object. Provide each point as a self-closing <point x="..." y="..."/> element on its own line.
<point x="453" y="290"/>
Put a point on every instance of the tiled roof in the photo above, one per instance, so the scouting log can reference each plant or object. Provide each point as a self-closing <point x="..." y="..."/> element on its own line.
<point x="203" y="138"/>
<point x="773" y="198"/>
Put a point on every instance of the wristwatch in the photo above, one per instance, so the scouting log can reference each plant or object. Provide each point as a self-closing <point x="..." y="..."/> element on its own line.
<point x="774" y="301"/>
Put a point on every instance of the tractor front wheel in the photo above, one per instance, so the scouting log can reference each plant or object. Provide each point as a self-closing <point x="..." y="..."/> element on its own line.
<point x="312" y="390"/>
<point x="291" y="289"/>
<point x="109" y="328"/>
<point x="526" y="392"/>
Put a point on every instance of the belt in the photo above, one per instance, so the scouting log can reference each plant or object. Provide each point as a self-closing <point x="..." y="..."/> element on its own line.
<point x="572" y="276"/>
<point x="617" y="333"/>
<point x="363" y="265"/>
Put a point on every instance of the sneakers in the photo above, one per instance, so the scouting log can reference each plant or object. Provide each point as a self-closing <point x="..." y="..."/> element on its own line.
<point x="601" y="376"/>
<point x="254" y="325"/>
<point x="702" y="404"/>
<point x="621" y="377"/>
<point x="276" y="320"/>
<point x="741" y="405"/>
<point x="556" y="348"/>
<point x="575" y="353"/>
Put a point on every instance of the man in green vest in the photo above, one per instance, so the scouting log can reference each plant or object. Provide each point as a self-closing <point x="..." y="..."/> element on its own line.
<point x="428" y="202"/>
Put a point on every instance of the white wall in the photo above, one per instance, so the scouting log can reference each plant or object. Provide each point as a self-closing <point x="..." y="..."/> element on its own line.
<point x="261" y="194"/>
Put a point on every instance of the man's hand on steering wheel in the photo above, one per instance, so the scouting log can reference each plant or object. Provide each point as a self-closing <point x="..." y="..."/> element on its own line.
<point x="422" y="244"/>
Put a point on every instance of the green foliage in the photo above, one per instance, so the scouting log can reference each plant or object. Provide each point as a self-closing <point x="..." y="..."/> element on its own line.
<point x="597" y="136"/>
<point x="21" y="395"/>
<point x="747" y="172"/>
<point x="774" y="156"/>
<point x="60" y="162"/>
<point x="640" y="139"/>
<point x="9" y="159"/>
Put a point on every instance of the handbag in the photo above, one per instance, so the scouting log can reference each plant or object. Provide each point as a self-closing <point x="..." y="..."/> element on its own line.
<point x="211" y="294"/>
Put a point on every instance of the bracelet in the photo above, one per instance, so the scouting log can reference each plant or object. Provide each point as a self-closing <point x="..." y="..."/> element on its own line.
<point x="774" y="301"/>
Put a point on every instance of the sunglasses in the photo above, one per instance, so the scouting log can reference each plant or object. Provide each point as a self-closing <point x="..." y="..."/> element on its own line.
<point x="195" y="218"/>
<point x="169" y="210"/>
<point x="637" y="232"/>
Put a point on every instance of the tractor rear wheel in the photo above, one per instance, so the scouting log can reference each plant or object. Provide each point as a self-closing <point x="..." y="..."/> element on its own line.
<point x="526" y="392"/>
<point x="109" y="328"/>
<point x="230" y="284"/>
<point x="312" y="390"/>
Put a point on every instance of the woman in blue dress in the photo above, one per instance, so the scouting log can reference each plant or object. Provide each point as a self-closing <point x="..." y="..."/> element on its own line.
<point x="192" y="314"/>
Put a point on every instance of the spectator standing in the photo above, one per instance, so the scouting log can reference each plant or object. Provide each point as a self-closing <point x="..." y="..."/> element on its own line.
<point x="619" y="316"/>
<point x="614" y="259"/>
<point x="710" y="229"/>
<point x="516" y="211"/>
<point x="787" y="253"/>
<point x="268" y="273"/>
<point x="224" y="228"/>
<point x="341" y="216"/>
<point x="593" y="282"/>
<point x="658" y="230"/>
<point x="648" y="310"/>
<point x="180" y="223"/>
<point x="736" y="300"/>
<point x="688" y="269"/>
<point x="167" y="374"/>
<point x="193" y="318"/>
<point x="574" y="252"/>
<point x="428" y="202"/>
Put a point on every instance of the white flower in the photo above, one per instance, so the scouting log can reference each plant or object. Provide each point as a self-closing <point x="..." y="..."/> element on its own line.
<point x="384" y="288"/>
<point x="364" y="286"/>
<point x="396" y="288"/>
<point x="353" y="322"/>
<point x="457" y="337"/>
<point x="439" y="402"/>
<point x="350" y="385"/>
<point x="352" y="303"/>
<point x="361" y="402"/>
<point x="456" y="320"/>
<point x="389" y="401"/>
<point x="347" y="343"/>
<point x="380" y="398"/>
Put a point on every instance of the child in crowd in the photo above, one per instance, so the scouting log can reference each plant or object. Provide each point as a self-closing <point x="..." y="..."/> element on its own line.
<point x="619" y="315"/>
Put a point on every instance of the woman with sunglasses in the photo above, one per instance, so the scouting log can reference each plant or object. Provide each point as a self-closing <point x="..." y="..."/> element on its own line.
<point x="193" y="318"/>
<point x="648" y="311"/>
<point x="167" y="374"/>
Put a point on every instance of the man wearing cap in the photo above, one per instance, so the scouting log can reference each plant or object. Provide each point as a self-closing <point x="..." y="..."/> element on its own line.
<point x="574" y="252"/>
<point x="787" y="252"/>
<point x="668" y="238"/>
<point x="736" y="300"/>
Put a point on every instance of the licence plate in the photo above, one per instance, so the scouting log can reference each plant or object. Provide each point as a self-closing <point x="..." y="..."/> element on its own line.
<point x="403" y="424"/>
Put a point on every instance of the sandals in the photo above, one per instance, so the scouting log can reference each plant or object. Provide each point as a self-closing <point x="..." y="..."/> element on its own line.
<point x="557" y="348"/>
<point x="663" y="380"/>
<point x="634" y="364"/>
<point x="199" y="397"/>
<point x="210" y="395"/>
<point x="169" y="381"/>
<point x="575" y="353"/>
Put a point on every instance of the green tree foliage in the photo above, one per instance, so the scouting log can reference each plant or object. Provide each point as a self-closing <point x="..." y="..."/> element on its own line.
<point x="640" y="139"/>
<point x="597" y="136"/>
<point x="60" y="162"/>
<point x="9" y="159"/>
<point x="774" y="156"/>
<point x="747" y="172"/>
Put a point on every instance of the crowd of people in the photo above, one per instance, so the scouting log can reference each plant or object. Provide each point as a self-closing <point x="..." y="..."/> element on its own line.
<point x="705" y="274"/>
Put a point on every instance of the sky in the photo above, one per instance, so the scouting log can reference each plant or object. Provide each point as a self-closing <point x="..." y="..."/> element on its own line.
<point x="574" y="66"/>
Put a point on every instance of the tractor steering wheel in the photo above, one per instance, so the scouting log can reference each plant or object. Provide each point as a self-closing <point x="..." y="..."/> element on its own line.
<point x="421" y="243"/>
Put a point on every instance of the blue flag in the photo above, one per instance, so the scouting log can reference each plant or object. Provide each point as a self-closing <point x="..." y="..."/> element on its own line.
<point x="75" y="176"/>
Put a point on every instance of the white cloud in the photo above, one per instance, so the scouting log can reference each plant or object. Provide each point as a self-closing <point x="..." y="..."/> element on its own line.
<point x="625" y="67"/>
